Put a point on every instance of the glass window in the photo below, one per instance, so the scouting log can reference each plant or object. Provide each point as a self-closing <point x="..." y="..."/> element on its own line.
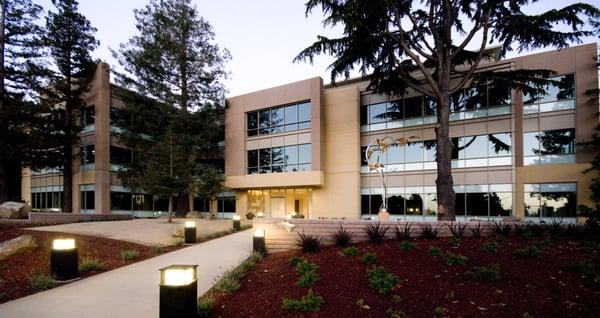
<point x="376" y="202"/>
<point x="252" y="161"/>
<point x="531" y="144"/>
<point x="291" y="155"/>
<point x="87" y="200"/>
<point x="278" y="155"/>
<point x="476" y="146"/>
<point x="430" y="106"/>
<point x="460" y="203"/>
<point x="120" y="201"/>
<point x="119" y="117"/>
<point x="120" y="156"/>
<point x="264" y="121"/>
<point x="413" y="107"/>
<point x="430" y="150"/>
<point x="477" y="204"/>
<point x="88" y="154"/>
<point x="499" y="145"/>
<point x="430" y="204"/>
<point x="304" y="112"/>
<point x="377" y="113"/>
<point x="364" y="115"/>
<point x="395" y="110"/>
<point x="550" y="200"/>
<point x="561" y="88"/>
<point x="500" y="203"/>
<point x="142" y="202"/>
<point x="557" y="141"/>
<point x="395" y="154"/>
<point x="474" y="98"/>
<point x="88" y="116"/>
<point x="396" y="204"/>
<point x="414" y="204"/>
<point x="304" y="154"/>
<point x="364" y="204"/>
<point x="498" y="96"/>
<point x="291" y="114"/>
<point x="277" y="120"/>
<point x="252" y="120"/>
<point x="414" y="152"/>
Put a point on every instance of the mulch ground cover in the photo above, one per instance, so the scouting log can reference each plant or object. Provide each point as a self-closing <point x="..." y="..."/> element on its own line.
<point x="429" y="287"/>
<point x="16" y="270"/>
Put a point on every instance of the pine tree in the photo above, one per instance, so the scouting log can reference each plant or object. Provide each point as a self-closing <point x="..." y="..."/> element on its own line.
<point x="174" y="60"/>
<point x="70" y="40"/>
<point x="401" y="46"/>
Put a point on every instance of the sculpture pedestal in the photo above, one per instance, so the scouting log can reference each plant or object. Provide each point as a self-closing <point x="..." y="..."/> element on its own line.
<point x="384" y="215"/>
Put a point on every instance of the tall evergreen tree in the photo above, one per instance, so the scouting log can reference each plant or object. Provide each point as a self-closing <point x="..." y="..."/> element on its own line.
<point x="174" y="59"/>
<point x="70" y="40"/>
<point x="402" y="46"/>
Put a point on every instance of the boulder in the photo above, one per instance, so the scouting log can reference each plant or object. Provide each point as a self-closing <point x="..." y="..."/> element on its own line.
<point x="14" y="210"/>
<point x="20" y="244"/>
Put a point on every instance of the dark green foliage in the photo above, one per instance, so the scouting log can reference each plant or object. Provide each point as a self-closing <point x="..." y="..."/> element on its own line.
<point x="435" y="251"/>
<point x="129" y="255"/>
<point x="307" y="279"/>
<point x="341" y="237"/>
<point x="311" y="302"/>
<point x="307" y="273"/>
<point x="308" y="243"/>
<point x="350" y="251"/>
<point x="501" y="229"/>
<point x="394" y="313"/>
<point x="536" y="229"/>
<point x="368" y="258"/>
<point x="490" y="246"/>
<point x="90" y="264"/>
<point x="375" y="232"/>
<point x="39" y="281"/>
<point x="455" y="259"/>
<point x="429" y="232"/>
<point x="529" y="251"/>
<point x="306" y="267"/>
<point x="454" y="241"/>
<point x="556" y="228"/>
<point x="230" y="281"/>
<point x="295" y="260"/>
<point x="457" y="229"/>
<point x="476" y="230"/>
<point x="485" y="273"/>
<point x="404" y="233"/>
<point x="522" y="232"/>
<point x="381" y="280"/>
<point x="407" y="246"/>
<point x="583" y="267"/>
<point x="205" y="306"/>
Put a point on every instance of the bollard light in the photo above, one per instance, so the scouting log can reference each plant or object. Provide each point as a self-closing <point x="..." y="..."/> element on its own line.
<point x="288" y="216"/>
<point x="237" y="223"/>
<point x="63" y="259"/>
<point x="190" y="232"/>
<point x="260" y="215"/>
<point x="258" y="242"/>
<point x="178" y="291"/>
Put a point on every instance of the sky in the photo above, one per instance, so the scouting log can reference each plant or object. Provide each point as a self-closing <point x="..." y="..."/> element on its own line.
<point x="263" y="36"/>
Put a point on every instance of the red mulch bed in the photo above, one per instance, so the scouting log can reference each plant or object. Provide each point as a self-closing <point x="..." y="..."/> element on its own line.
<point x="542" y="287"/>
<point x="15" y="270"/>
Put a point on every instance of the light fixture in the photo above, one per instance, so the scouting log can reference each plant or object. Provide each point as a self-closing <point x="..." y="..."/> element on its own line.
<point x="64" y="259"/>
<point x="237" y="223"/>
<point x="178" y="291"/>
<point x="260" y="215"/>
<point x="288" y="216"/>
<point x="190" y="232"/>
<point x="258" y="242"/>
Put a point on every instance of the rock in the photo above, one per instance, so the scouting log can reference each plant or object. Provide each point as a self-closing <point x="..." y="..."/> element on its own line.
<point x="176" y="231"/>
<point x="14" y="210"/>
<point x="20" y="244"/>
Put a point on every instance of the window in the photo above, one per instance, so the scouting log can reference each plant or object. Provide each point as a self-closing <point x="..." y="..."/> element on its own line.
<point x="550" y="200"/>
<point x="549" y="147"/>
<point x="279" y="159"/>
<point x="120" y="156"/>
<point x="278" y="119"/>
<point x="119" y="118"/>
<point x="559" y="94"/>
<point x="88" y="116"/>
<point x="88" y="157"/>
<point x="46" y="198"/>
<point x="87" y="200"/>
<point x="201" y="204"/>
<point x="226" y="204"/>
<point x="142" y="202"/>
<point x="120" y="201"/>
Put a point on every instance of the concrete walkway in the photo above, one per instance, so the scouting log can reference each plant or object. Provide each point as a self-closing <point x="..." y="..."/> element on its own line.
<point x="132" y="291"/>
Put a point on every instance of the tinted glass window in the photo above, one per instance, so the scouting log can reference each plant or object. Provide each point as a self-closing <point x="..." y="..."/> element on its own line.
<point x="252" y="120"/>
<point x="395" y="110"/>
<point x="304" y="153"/>
<point x="264" y="118"/>
<point x="377" y="113"/>
<point x="477" y="204"/>
<point x="278" y="155"/>
<point x="430" y="106"/>
<point x="414" y="204"/>
<point x="252" y="158"/>
<point x="304" y="112"/>
<point x="476" y="146"/>
<point x="499" y="144"/>
<point x="88" y="154"/>
<point x="291" y="155"/>
<point x="498" y="95"/>
<point x="364" y="204"/>
<point x="557" y="141"/>
<point x="264" y="157"/>
<point x="561" y="88"/>
<point x="396" y="204"/>
<point x="395" y="154"/>
<point x="413" y="107"/>
<point x="414" y="152"/>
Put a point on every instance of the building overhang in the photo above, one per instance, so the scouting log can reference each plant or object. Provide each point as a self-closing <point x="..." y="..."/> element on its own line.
<point x="276" y="180"/>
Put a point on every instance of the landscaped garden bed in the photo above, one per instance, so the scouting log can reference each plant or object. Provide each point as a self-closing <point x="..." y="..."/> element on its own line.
<point x="529" y="274"/>
<point x="27" y="273"/>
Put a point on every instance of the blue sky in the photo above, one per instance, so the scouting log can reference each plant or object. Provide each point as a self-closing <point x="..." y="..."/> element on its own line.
<point x="263" y="36"/>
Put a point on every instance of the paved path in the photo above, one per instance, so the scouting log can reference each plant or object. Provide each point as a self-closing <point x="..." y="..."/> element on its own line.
<point x="131" y="291"/>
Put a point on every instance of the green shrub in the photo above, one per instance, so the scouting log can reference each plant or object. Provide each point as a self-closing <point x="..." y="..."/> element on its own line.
<point x="522" y="232"/>
<point x="311" y="302"/>
<point x="90" y="264"/>
<point x="490" y="246"/>
<point x="375" y="232"/>
<point x="454" y="241"/>
<point x="341" y="237"/>
<point x="368" y="258"/>
<point x="295" y="260"/>
<point x="308" y="243"/>
<point x="230" y="281"/>
<point x="129" y="255"/>
<point x="530" y="251"/>
<point x="435" y="251"/>
<point x="308" y="279"/>
<point x="536" y="229"/>
<point x="501" y="229"/>
<point x="350" y="251"/>
<point x="476" y="230"/>
<point x="204" y="307"/>
<point x="178" y="242"/>
<point x="39" y="281"/>
<point x="429" y="232"/>
<point x="404" y="233"/>
<point x="157" y="248"/>
<point x="306" y="267"/>
<point x="455" y="259"/>
<point x="381" y="280"/>
<point x="407" y="246"/>
<point x="485" y="274"/>
<point x="395" y="313"/>
<point x="457" y="229"/>
<point x="583" y="267"/>
<point x="439" y="310"/>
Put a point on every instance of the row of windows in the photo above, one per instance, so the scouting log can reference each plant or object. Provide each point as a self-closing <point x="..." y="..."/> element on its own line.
<point x="46" y="200"/>
<point x="550" y="146"/>
<point x="559" y="94"/>
<point x="118" y="155"/>
<point x="279" y="159"/>
<point x="278" y="119"/>
<point x="553" y="200"/>
<point x="224" y="204"/>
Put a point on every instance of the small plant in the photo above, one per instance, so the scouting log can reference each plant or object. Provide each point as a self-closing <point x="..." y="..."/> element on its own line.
<point x="396" y="299"/>
<point x="530" y="251"/>
<point x="556" y="228"/>
<point x="309" y="303"/>
<point x="39" y="281"/>
<point x="361" y="303"/>
<point x="395" y="313"/>
<point x="306" y="267"/>
<point x="522" y="232"/>
<point x="429" y="232"/>
<point x="485" y="274"/>
<point x="439" y="310"/>
<point x="308" y="279"/>
<point x="476" y="231"/>
<point x="381" y="280"/>
<point x="129" y="255"/>
<point x="454" y="241"/>
<point x="229" y="282"/>
<point x="500" y="229"/>
<point x="490" y="246"/>
<point x="536" y="229"/>
<point x="341" y="237"/>
<point x="178" y="242"/>
<point x="350" y="251"/>
<point x="368" y="258"/>
<point x="404" y="233"/>
<point x="407" y="246"/>
<point x="295" y="260"/>
<point x="583" y="267"/>
<point x="306" y="271"/>
<point x="204" y="307"/>
<point x="90" y="264"/>
<point x="157" y="248"/>
<point x="308" y="243"/>
<point x="435" y="251"/>
<point x="455" y="259"/>
<point x="375" y="232"/>
<point x="457" y="229"/>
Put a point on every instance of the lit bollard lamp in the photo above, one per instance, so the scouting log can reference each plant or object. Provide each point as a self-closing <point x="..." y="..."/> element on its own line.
<point x="178" y="291"/>
<point x="63" y="259"/>
<point x="190" y="232"/>
<point x="258" y="243"/>
<point x="237" y="223"/>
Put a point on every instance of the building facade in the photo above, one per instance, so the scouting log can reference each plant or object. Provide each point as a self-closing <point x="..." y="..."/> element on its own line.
<point x="298" y="149"/>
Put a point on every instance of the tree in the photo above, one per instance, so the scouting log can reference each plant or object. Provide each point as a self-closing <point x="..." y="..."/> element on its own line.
<point x="173" y="59"/>
<point x="402" y="46"/>
<point x="21" y="69"/>
<point x="70" y="40"/>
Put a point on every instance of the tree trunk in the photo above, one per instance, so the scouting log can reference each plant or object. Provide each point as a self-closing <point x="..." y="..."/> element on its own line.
<point x="444" y="183"/>
<point x="3" y="182"/>
<point x="170" y="208"/>
<point x="68" y="179"/>
<point x="183" y="204"/>
<point x="3" y="165"/>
